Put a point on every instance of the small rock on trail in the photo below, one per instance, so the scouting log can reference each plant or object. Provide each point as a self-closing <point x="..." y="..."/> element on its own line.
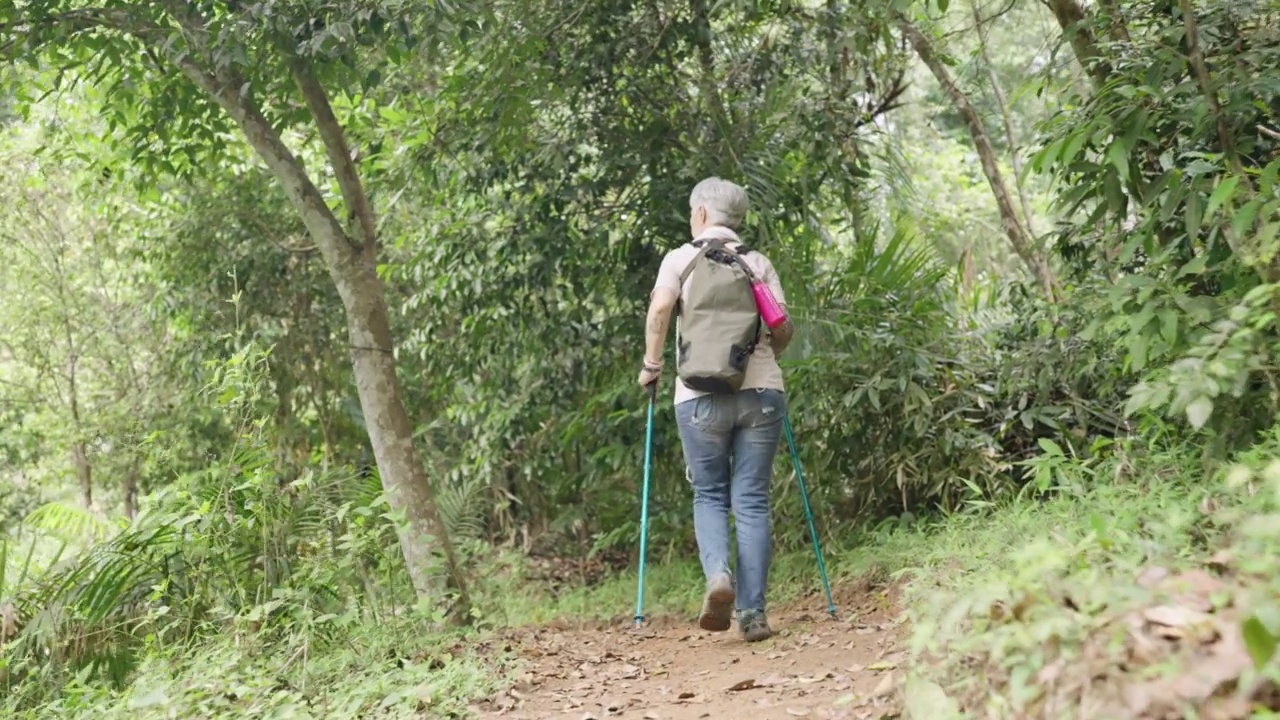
<point x="814" y="667"/>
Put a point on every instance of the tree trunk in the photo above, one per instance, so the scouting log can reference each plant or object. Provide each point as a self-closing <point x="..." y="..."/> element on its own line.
<point x="1021" y="241"/>
<point x="129" y="488"/>
<point x="1117" y="28"/>
<point x="286" y="437"/>
<point x="352" y="267"/>
<point x="1268" y="270"/>
<point x="84" y="472"/>
<point x="1071" y="19"/>
<point x="390" y="431"/>
<point x="79" y="452"/>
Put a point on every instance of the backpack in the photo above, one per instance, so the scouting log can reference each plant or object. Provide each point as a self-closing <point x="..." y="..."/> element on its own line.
<point x="719" y="320"/>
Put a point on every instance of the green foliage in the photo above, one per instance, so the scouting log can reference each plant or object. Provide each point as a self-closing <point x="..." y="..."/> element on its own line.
<point x="1171" y="190"/>
<point x="226" y="548"/>
<point x="1053" y="588"/>
<point x="527" y="176"/>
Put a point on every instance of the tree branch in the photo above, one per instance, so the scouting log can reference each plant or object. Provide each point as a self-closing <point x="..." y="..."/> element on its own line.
<point x="231" y="93"/>
<point x="1195" y="56"/>
<point x="340" y="156"/>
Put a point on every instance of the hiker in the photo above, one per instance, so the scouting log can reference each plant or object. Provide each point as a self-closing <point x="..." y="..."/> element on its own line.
<point x="729" y="397"/>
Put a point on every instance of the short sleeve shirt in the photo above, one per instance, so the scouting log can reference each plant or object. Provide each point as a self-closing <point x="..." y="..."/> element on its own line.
<point x="763" y="371"/>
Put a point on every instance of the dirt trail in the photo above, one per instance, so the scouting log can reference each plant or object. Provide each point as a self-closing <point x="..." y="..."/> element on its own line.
<point x="814" y="667"/>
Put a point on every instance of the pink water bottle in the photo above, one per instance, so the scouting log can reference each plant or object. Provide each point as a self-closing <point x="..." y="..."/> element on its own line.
<point x="768" y="306"/>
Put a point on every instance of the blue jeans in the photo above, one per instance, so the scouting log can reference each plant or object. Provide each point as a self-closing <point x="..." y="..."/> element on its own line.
<point x="729" y="445"/>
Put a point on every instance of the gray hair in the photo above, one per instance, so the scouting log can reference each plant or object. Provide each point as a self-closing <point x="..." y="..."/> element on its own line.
<point x="726" y="202"/>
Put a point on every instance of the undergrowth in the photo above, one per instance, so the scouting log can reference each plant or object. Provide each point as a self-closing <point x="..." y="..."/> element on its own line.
<point x="1150" y="595"/>
<point x="1013" y="606"/>
<point x="1136" y="584"/>
<point x="404" y="670"/>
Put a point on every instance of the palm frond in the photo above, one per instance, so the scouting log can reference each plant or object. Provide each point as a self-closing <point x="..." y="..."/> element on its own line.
<point x="71" y="522"/>
<point x="461" y="501"/>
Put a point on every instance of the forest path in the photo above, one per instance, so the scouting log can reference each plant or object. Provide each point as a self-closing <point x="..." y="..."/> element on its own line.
<point x="813" y="667"/>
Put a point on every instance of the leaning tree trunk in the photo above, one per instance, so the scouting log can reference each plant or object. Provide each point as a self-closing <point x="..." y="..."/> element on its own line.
<point x="1002" y="102"/>
<point x="385" y="417"/>
<point x="352" y="267"/>
<point x="1070" y="15"/>
<point x="1018" y="236"/>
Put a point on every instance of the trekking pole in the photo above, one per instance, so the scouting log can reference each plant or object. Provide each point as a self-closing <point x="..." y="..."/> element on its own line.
<point x="808" y="513"/>
<point x="644" y="501"/>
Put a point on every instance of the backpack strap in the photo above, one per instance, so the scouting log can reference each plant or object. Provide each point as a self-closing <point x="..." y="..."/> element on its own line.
<point x="704" y="247"/>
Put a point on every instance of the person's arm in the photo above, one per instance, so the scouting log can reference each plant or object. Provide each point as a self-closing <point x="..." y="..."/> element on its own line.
<point x="666" y="291"/>
<point x="657" y="322"/>
<point x="779" y="337"/>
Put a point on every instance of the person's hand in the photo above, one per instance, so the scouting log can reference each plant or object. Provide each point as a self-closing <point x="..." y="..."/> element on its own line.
<point x="650" y="373"/>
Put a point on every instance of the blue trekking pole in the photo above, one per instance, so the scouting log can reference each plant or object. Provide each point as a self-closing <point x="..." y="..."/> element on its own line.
<point x="644" y="501"/>
<point x="808" y="514"/>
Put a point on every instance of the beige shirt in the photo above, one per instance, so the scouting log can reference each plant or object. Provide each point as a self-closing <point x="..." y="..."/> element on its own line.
<point x="762" y="368"/>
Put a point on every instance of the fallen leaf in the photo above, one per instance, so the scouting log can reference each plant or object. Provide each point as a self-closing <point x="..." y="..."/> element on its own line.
<point x="882" y="665"/>
<point x="1231" y="707"/>
<point x="885" y="686"/>
<point x="1173" y="616"/>
<point x="1195" y="588"/>
<point x="1150" y="577"/>
<point x="797" y="712"/>
<point x="1050" y="672"/>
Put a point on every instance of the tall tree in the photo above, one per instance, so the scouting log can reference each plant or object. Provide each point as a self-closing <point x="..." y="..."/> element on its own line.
<point x="1019" y="236"/>
<point x="269" y="67"/>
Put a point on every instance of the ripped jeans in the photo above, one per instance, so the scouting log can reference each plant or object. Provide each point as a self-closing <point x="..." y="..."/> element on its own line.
<point x="729" y="445"/>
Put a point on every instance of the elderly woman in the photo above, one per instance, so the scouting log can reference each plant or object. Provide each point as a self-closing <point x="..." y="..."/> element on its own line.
<point x="729" y="434"/>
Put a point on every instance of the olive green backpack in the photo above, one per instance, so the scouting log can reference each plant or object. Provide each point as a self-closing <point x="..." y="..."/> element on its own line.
<point x="719" y="321"/>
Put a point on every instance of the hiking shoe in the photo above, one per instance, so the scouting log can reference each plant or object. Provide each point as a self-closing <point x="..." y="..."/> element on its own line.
<point x="717" y="605"/>
<point x="754" y="626"/>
